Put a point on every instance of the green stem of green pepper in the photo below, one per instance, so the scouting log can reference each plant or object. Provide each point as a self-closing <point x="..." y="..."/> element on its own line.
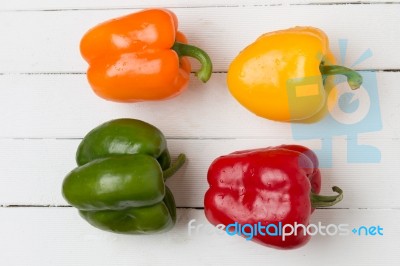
<point x="183" y="49"/>
<point x="175" y="166"/>
<point x="318" y="201"/>
<point x="354" y="79"/>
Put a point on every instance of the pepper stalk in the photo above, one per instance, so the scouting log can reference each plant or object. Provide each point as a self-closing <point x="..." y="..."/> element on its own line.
<point x="183" y="49"/>
<point x="320" y="201"/>
<point x="354" y="79"/>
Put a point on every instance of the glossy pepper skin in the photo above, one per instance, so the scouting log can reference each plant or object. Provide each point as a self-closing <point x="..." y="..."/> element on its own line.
<point x="119" y="184"/>
<point x="282" y="76"/>
<point x="270" y="185"/>
<point x="140" y="57"/>
<point x="124" y="136"/>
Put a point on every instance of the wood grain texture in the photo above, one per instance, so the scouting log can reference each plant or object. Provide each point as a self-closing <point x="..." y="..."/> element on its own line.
<point x="46" y="107"/>
<point x="58" y="236"/>
<point x="36" y="168"/>
<point x="41" y="5"/>
<point x="49" y="41"/>
<point x="64" y="106"/>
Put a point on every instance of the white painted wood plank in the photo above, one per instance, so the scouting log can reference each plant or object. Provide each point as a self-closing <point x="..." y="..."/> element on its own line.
<point x="49" y="41"/>
<point x="204" y="122"/>
<point x="33" y="170"/>
<point x="58" y="236"/>
<point x="103" y="4"/>
<point x="64" y="106"/>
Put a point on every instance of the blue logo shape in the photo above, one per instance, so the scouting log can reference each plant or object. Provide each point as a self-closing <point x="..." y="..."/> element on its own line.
<point x="346" y="103"/>
<point x="348" y="113"/>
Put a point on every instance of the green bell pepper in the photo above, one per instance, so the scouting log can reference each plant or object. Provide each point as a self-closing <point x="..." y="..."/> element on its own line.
<point x="124" y="136"/>
<point x="118" y="185"/>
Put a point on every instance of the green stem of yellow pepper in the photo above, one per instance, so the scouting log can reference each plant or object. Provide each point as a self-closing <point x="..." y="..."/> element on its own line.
<point x="175" y="166"/>
<point x="354" y="79"/>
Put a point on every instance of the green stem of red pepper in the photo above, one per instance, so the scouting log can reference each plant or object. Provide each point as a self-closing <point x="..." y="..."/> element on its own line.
<point x="354" y="79"/>
<point x="175" y="166"/>
<point x="183" y="49"/>
<point x="320" y="201"/>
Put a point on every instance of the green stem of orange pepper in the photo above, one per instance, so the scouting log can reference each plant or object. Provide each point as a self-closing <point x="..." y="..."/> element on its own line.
<point x="205" y="71"/>
<point x="354" y="79"/>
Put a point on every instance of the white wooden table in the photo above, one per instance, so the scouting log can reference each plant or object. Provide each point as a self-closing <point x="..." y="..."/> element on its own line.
<point x="46" y="107"/>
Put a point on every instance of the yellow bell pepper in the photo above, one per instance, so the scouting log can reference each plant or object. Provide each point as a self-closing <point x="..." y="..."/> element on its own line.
<point x="283" y="75"/>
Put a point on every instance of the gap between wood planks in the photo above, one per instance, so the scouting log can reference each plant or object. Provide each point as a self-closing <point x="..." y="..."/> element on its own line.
<point x="214" y="72"/>
<point x="284" y="3"/>
<point x="198" y="138"/>
<point x="193" y="208"/>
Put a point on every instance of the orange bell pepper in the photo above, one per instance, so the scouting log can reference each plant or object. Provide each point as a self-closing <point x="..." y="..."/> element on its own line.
<point x="140" y="57"/>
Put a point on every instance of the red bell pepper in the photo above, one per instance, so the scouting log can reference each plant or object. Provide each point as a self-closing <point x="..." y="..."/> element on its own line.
<point x="274" y="185"/>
